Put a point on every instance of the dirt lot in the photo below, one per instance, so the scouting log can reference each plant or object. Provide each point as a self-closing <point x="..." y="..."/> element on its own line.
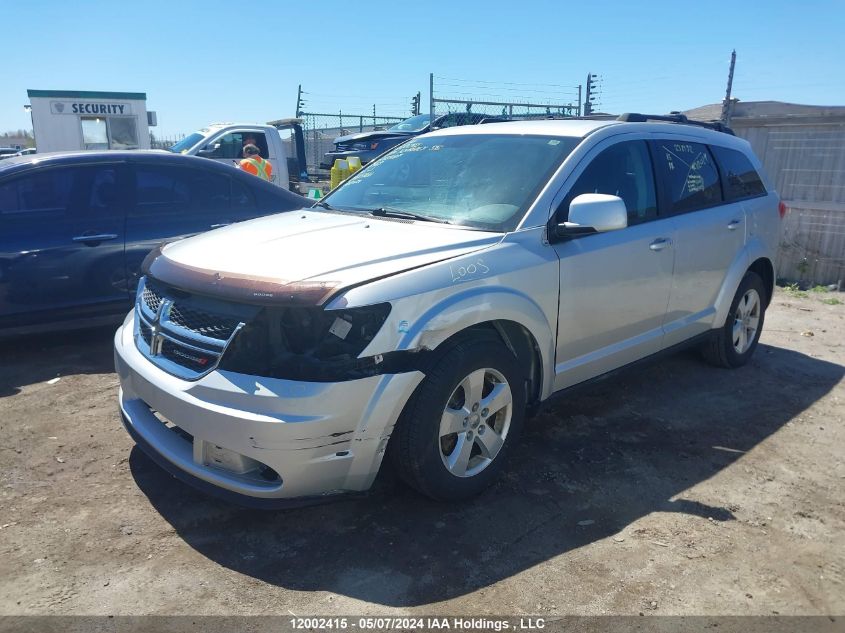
<point x="674" y="488"/>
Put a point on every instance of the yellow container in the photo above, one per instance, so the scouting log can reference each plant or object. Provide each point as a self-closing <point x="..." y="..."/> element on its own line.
<point x="338" y="172"/>
<point x="354" y="164"/>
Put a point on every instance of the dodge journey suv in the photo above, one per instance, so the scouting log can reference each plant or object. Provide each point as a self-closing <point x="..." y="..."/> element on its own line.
<point x="439" y="294"/>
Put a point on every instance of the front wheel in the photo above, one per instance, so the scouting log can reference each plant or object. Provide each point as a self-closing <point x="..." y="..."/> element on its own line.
<point x="455" y="433"/>
<point x="734" y="344"/>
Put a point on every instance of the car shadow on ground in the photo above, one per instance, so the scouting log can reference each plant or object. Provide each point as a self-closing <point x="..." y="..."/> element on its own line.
<point x="28" y="360"/>
<point x="590" y="464"/>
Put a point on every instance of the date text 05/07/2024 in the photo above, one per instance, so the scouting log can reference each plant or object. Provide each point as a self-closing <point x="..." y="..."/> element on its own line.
<point x="417" y="623"/>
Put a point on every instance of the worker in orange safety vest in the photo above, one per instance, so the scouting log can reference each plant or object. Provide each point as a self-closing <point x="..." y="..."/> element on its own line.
<point x="254" y="164"/>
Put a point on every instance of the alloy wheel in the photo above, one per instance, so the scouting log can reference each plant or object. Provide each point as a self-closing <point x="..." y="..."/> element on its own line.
<point x="746" y="321"/>
<point x="475" y="422"/>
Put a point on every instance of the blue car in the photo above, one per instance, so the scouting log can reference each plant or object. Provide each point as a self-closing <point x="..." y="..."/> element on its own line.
<point x="369" y="145"/>
<point x="75" y="227"/>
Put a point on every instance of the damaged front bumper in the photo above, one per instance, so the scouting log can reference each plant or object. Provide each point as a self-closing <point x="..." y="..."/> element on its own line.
<point x="261" y="442"/>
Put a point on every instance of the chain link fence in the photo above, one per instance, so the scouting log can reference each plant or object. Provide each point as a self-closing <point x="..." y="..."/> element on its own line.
<point x="164" y="142"/>
<point x="320" y="131"/>
<point x="469" y="101"/>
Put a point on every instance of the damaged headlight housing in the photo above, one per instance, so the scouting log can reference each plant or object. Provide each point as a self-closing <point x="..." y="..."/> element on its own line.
<point x="309" y="344"/>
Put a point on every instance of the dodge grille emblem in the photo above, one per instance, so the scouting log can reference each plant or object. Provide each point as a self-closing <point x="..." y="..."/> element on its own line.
<point x="156" y="337"/>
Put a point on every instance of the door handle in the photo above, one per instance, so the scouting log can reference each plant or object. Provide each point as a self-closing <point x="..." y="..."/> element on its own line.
<point x="733" y="224"/>
<point x="660" y="243"/>
<point x="217" y="226"/>
<point x="99" y="237"/>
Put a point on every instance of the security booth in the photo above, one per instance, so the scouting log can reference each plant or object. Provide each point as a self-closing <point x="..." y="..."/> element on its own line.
<point x="67" y="120"/>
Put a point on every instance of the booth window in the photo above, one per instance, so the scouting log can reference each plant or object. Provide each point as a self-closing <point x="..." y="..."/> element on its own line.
<point x="109" y="133"/>
<point x="123" y="133"/>
<point x="94" y="133"/>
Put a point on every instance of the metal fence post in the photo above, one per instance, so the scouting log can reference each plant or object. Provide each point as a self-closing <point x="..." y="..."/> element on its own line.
<point x="431" y="98"/>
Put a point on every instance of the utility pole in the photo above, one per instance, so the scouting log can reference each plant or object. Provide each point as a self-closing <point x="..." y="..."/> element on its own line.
<point x="299" y="102"/>
<point x="590" y="94"/>
<point x="726" y="104"/>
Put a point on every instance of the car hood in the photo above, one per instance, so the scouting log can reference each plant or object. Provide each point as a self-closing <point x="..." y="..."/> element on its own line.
<point x="304" y="257"/>
<point x="372" y="136"/>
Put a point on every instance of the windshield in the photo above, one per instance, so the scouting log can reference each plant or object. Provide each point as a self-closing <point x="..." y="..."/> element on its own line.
<point x="186" y="143"/>
<point x="414" y="124"/>
<point x="485" y="181"/>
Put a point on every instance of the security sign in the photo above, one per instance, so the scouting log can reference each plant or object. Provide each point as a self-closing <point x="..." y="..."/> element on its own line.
<point x="89" y="108"/>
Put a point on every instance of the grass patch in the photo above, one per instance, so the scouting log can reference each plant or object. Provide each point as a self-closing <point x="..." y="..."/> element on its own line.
<point x="832" y="301"/>
<point x="819" y="289"/>
<point x="794" y="290"/>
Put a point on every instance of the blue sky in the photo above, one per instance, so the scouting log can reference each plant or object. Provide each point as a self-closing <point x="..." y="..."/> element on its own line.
<point x="209" y="61"/>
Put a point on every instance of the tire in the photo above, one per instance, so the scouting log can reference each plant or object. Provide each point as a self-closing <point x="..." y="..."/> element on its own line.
<point x="450" y="466"/>
<point x="734" y="343"/>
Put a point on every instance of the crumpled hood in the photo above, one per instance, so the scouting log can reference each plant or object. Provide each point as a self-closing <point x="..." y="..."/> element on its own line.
<point x="303" y="257"/>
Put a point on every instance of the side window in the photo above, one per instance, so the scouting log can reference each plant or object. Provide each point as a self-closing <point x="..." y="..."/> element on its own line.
<point x="243" y="199"/>
<point x="46" y="194"/>
<point x="210" y="191"/>
<point x="9" y="202"/>
<point x="622" y="170"/>
<point x="232" y="145"/>
<point x="740" y="178"/>
<point x="161" y="191"/>
<point x="104" y="195"/>
<point x="689" y="174"/>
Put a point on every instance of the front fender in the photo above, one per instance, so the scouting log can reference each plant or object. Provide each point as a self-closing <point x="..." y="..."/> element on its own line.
<point x="423" y="324"/>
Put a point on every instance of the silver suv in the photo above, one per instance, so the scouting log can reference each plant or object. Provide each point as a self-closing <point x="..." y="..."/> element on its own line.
<point x="435" y="297"/>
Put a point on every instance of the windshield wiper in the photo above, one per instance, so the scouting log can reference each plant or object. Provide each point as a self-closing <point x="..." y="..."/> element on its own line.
<point x="390" y="212"/>
<point x="325" y="205"/>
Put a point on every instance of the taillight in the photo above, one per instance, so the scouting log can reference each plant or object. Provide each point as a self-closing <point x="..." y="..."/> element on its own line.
<point x="782" y="209"/>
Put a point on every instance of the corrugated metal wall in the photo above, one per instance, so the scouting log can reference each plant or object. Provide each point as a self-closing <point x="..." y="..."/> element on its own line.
<point x="807" y="164"/>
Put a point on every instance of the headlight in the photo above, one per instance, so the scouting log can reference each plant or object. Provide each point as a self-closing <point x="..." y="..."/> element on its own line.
<point x="309" y="344"/>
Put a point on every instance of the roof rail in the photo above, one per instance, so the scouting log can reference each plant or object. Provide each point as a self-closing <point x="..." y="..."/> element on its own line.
<point x="674" y="117"/>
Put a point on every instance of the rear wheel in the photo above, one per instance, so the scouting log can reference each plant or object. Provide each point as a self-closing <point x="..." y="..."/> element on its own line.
<point x="455" y="433"/>
<point x="734" y="344"/>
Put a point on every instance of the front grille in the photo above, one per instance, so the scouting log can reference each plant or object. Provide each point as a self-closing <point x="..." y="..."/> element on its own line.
<point x="212" y="325"/>
<point x="146" y="332"/>
<point x="151" y="299"/>
<point x="184" y="334"/>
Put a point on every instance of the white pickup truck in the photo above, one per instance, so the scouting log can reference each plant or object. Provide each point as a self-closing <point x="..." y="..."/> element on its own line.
<point x="281" y="142"/>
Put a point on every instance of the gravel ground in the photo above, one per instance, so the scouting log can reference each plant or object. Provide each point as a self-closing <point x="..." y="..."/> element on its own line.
<point x="672" y="488"/>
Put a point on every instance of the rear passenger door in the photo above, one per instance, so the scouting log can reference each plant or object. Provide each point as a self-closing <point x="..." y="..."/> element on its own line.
<point x="710" y="234"/>
<point x="173" y="201"/>
<point x="61" y="244"/>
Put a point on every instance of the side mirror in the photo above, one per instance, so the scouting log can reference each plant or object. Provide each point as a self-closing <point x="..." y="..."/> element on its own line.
<point x="208" y="151"/>
<point x="594" y="213"/>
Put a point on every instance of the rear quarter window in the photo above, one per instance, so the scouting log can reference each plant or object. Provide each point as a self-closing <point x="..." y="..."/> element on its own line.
<point x="739" y="178"/>
<point x="689" y="175"/>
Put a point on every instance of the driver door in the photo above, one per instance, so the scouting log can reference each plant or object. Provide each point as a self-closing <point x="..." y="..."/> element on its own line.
<point x="614" y="286"/>
<point x="228" y="148"/>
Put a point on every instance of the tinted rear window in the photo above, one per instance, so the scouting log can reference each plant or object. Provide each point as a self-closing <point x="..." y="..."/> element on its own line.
<point x="690" y="176"/>
<point x="740" y="178"/>
<point x="43" y="192"/>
